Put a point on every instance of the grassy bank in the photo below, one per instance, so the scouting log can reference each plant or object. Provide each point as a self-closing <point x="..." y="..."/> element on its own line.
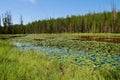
<point x="21" y="65"/>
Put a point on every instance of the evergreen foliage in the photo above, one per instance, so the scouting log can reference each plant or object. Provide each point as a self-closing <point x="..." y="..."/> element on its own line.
<point x="105" y="22"/>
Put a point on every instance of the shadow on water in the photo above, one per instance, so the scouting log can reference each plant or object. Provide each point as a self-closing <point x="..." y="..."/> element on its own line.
<point x="40" y="39"/>
<point x="101" y="39"/>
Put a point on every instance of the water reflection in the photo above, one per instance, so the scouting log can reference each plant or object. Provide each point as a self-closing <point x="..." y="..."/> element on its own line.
<point x="47" y="50"/>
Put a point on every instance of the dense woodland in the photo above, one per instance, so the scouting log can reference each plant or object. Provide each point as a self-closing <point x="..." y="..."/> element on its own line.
<point x="104" y="22"/>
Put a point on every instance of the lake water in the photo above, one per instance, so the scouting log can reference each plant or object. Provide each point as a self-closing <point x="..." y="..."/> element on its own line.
<point x="114" y="60"/>
<point x="47" y="50"/>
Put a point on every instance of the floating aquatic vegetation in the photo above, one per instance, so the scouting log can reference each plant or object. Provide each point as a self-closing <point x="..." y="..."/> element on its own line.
<point x="81" y="52"/>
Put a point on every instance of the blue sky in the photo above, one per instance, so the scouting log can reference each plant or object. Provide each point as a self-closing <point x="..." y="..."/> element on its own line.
<point x="32" y="10"/>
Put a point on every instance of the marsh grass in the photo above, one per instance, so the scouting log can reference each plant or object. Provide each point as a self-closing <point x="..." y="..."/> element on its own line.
<point x="29" y="65"/>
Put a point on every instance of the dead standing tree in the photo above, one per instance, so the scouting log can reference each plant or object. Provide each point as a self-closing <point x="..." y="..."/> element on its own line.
<point x="113" y="18"/>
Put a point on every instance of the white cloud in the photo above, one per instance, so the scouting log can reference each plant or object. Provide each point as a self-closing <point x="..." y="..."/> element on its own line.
<point x="32" y="1"/>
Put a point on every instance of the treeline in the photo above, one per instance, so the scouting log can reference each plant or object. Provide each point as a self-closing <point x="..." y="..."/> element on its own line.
<point x="105" y="22"/>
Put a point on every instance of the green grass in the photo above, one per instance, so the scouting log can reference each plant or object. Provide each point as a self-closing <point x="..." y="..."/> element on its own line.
<point x="77" y="34"/>
<point x="7" y="36"/>
<point x="29" y="65"/>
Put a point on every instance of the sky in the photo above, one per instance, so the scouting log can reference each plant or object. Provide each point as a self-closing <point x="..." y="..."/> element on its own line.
<point x="32" y="10"/>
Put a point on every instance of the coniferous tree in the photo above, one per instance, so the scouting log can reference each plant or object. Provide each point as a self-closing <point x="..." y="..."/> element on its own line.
<point x="21" y="20"/>
<point x="7" y="19"/>
<point x="0" y="22"/>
